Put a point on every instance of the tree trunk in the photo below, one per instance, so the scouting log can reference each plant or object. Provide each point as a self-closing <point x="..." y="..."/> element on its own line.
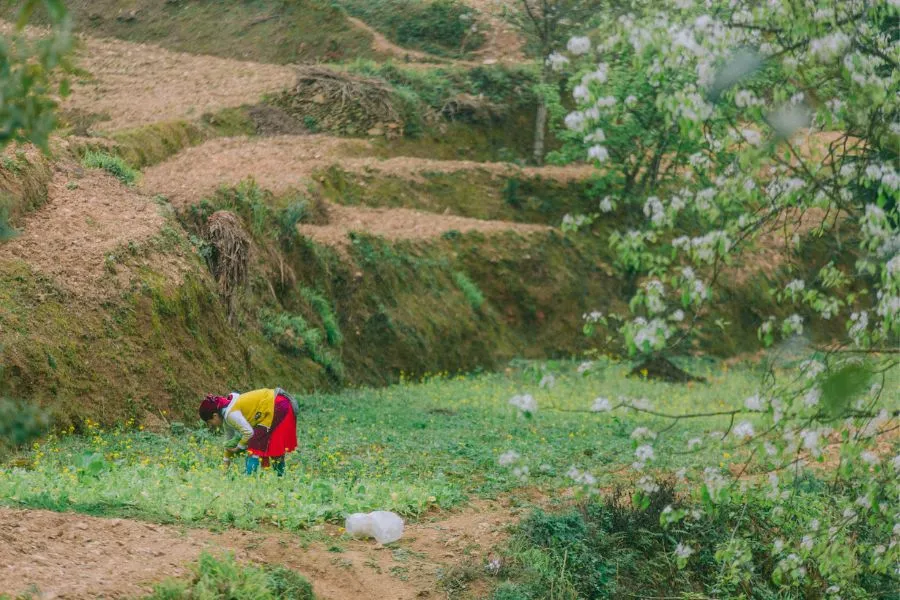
<point x="540" y="127"/>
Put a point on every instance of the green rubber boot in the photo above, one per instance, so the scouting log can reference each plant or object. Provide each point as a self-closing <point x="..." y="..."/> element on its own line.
<point x="251" y="464"/>
<point x="278" y="465"/>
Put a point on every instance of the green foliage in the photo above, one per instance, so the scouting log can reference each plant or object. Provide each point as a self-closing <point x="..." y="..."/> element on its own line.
<point x="27" y="75"/>
<point x="113" y="165"/>
<point x="441" y="27"/>
<point x="20" y="423"/>
<point x="216" y="578"/>
<point x="7" y="231"/>
<point x="470" y="289"/>
<point x="289" y="217"/>
<point x="292" y="334"/>
<point x="511" y="85"/>
<point x="325" y="311"/>
<point x="611" y="548"/>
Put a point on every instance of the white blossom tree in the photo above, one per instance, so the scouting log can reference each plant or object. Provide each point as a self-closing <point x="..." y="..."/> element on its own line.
<point x="727" y="122"/>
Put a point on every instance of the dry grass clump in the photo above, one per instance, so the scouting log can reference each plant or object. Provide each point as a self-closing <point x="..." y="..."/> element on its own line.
<point x="229" y="262"/>
<point x="327" y="100"/>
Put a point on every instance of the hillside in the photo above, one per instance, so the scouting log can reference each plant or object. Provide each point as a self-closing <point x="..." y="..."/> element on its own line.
<point x="355" y="242"/>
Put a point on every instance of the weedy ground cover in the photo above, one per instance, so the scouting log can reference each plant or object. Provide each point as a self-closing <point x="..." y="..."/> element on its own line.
<point x="409" y="448"/>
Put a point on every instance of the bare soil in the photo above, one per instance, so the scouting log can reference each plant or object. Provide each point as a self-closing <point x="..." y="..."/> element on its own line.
<point x="138" y="84"/>
<point x="75" y="557"/>
<point x="400" y="224"/>
<point x="89" y="216"/>
<point x="281" y="163"/>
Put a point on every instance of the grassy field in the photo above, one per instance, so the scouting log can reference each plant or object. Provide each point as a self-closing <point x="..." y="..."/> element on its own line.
<point x="410" y="448"/>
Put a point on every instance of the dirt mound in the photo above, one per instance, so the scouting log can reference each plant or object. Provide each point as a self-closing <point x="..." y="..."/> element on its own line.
<point x="88" y="219"/>
<point x="400" y="224"/>
<point x="138" y="84"/>
<point x="282" y="162"/>
<point x="74" y="557"/>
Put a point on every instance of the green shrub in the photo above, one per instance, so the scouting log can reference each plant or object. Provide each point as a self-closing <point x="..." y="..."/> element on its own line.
<point x="510" y="591"/>
<point x="323" y="308"/>
<point x="20" y="423"/>
<point x="225" y="579"/>
<point x="113" y="165"/>
<point x="470" y="289"/>
<point x="292" y="334"/>
<point x="293" y="213"/>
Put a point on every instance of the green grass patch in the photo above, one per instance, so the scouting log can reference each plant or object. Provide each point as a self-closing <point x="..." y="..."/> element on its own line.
<point x="470" y="289"/>
<point x="114" y="165"/>
<point x="325" y="311"/>
<point x="271" y="31"/>
<point x="223" y="578"/>
<point x="407" y="448"/>
<point x="441" y="27"/>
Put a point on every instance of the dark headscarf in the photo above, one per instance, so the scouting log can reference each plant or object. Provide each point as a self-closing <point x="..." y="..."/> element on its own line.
<point x="211" y="405"/>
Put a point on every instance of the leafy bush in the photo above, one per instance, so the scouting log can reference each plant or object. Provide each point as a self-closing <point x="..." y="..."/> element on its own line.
<point x="613" y="548"/>
<point x="113" y="165"/>
<point x="470" y="289"/>
<point x="292" y="334"/>
<point x="323" y="308"/>
<point x="442" y="27"/>
<point x="293" y="213"/>
<point x="225" y="579"/>
<point x="20" y="423"/>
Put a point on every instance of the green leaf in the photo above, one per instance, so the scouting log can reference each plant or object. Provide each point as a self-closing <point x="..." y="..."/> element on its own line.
<point x="843" y="386"/>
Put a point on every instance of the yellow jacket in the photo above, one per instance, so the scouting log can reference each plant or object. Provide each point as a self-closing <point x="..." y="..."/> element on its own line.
<point x="248" y="410"/>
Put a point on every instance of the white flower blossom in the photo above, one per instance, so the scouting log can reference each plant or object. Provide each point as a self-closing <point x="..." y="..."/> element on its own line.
<point x="579" y="45"/>
<point x="641" y="433"/>
<point x="601" y="405"/>
<point x="606" y="205"/>
<point x="644" y="453"/>
<point x="547" y="381"/>
<point x="812" y="397"/>
<point x="647" y="484"/>
<point x="693" y="443"/>
<point x="870" y="458"/>
<point x="507" y="458"/>
<point x="525" y="403"/>
<point x="744" y="429"/>
<point x="755" y="403"/>
<point x="599" y="153"/>
<point x="682" y="551"/>
<point x="575" y="121"/>
<point x="557" y="61"/>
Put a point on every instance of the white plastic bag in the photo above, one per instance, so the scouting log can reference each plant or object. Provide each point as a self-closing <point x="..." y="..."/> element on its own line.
<point x="384" y="526"/>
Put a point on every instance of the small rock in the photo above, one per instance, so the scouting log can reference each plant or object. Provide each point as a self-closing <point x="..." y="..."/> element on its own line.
<point x="81" y="525"/>
<point x="319" y="99"/>
<point x="375" y="131"/>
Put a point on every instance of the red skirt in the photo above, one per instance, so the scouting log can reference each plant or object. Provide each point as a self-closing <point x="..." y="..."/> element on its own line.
<point x="279" y="439"/>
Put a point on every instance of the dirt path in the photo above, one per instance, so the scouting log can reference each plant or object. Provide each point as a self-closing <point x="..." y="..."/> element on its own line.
<point x="283" y="162"/>
<point x="502" y="45"/>
<point x="71" y="556"/>
<point x="89" y="216"/>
